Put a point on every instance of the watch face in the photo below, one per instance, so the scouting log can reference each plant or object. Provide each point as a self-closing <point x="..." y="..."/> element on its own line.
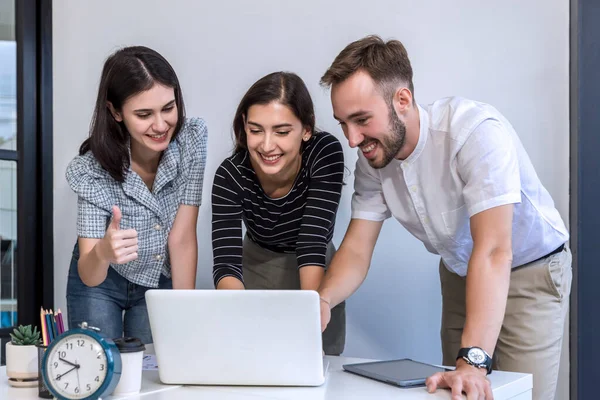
<point x="476" y="355"/>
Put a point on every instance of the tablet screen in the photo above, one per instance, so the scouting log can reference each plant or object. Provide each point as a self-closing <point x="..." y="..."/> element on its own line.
<point x="395" y="370"/>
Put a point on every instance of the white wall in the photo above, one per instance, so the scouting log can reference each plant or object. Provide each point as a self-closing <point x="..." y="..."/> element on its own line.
<point x="512" y="54"/>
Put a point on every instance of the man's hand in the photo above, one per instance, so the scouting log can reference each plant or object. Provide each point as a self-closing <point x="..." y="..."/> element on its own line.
<point x="349" y="266"/>
<point x="465" y="378"/>
<point x="325" y="313"/>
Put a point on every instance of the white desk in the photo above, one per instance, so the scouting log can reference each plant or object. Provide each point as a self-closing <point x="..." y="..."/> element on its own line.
<point x="338" y="385"/>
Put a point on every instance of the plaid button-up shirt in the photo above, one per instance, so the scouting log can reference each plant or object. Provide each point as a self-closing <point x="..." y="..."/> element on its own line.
<point x="179" y="180"/>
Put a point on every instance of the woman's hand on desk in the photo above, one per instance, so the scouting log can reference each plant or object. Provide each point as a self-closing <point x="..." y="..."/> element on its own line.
<point x="118" y="246"/>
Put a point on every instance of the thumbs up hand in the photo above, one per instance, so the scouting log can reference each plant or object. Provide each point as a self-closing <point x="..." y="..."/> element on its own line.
<point x="116" y="219"/>
<point x="118" y="246"/>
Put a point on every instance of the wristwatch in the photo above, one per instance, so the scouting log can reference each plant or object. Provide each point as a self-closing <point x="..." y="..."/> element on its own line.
<point x="476" y="357"/>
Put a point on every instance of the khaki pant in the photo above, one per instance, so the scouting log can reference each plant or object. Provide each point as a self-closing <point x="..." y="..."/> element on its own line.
<point x="265" y="269"/>
<point x="532" y="332"/>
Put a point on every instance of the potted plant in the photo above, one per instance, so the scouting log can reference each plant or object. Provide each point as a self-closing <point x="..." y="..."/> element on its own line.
<point x="22" y="354"/>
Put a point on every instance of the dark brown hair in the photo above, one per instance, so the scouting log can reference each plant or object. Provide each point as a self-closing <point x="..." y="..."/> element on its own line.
<point x="127" y="72"/>
<point x="387" y="63"/>
<point x="285" y="88"/>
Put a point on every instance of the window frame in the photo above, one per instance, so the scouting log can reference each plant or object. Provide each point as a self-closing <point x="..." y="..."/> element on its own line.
<point x="35" y="264"/>
<point x="585" y="194"/>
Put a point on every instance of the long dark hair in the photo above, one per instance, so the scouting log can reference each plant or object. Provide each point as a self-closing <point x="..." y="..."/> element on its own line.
<point x="126" y="73"/>
<point x="285" y="88"/>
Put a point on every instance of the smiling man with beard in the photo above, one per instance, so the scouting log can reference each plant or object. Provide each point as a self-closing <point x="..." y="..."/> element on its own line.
<point x="456" y="176"/>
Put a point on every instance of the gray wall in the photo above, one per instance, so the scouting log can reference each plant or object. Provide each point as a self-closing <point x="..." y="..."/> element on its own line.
<point x="512" y="54"/>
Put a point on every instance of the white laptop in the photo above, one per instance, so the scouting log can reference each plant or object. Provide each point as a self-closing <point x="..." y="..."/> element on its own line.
<point x="237" y="337"/>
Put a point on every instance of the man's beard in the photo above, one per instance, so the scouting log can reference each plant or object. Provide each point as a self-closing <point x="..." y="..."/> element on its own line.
<point x="392" y="143"/>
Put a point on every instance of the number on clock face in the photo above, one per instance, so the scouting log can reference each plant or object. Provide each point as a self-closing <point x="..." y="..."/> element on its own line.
<point x="77" y="366"/>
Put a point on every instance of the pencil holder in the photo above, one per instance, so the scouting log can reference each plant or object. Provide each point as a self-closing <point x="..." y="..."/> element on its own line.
<point x="43" y="391"/>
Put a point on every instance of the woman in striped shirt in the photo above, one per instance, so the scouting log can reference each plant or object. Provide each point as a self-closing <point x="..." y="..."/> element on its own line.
<point x="284" y="181"/>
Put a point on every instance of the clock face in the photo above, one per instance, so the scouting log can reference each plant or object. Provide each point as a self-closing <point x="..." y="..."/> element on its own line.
<point x="77" y="366"/>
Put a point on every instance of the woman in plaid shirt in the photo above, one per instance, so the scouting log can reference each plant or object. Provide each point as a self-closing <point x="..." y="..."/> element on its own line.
<point x="138" y="178"/>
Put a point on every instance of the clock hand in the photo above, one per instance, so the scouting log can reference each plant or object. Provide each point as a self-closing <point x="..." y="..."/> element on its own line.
<point x="59" y="376"/>
<point x="69" y="362"/>
<point x="78" y="383"/>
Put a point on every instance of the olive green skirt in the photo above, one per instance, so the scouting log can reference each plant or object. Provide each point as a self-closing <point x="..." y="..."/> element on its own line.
<point x="266" y="269"/>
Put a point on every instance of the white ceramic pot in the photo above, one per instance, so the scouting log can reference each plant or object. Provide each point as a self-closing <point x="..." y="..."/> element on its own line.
<point x="21" y="361"/>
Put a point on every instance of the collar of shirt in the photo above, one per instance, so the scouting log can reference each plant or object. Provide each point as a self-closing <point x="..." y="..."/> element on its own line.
<point x="168" y="166"/>
<point x="423" y="135"/>
<point x="434" y="192"/>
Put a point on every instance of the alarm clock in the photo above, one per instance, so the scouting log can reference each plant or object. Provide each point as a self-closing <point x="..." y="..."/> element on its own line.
<point x="81" y="364"/>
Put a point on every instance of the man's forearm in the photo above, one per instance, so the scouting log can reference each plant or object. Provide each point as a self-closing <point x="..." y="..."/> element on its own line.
<point x="488" y="280"/>
<point x="346" y="273"/>
<point x="350" y="264"/>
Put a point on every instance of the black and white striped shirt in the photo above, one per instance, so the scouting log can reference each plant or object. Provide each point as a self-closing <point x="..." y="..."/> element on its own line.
<point x="301" y="221"/>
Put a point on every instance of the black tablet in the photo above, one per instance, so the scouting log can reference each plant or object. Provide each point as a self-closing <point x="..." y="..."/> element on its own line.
<point x="403" y="373"/>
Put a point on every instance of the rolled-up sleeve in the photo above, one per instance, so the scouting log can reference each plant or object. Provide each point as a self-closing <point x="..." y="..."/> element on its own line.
<point x="368" y="201"/>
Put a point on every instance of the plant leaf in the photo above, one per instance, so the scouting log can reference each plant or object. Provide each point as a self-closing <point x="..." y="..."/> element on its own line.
<point x="18" y="334"/>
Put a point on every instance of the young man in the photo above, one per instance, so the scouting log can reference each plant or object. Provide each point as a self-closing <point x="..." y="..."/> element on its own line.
<point x="457" y="177"/>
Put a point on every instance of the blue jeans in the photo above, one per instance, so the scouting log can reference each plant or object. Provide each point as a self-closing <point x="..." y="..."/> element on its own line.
<point x="116" y="306"/>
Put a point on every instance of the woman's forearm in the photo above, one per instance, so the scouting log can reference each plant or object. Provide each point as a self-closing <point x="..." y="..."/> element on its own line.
<point x="184" y="263"/>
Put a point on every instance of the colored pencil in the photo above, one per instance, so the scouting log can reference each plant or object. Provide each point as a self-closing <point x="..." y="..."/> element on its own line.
<point x="58" y="323"/>
<point x="49" y="325"/>
<point x="54" y="323"/>
<point x="48" y="328"/>
<point x="43" y="327"/>
<point x="61" y="324"/>
<point x="52" y="333"/>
